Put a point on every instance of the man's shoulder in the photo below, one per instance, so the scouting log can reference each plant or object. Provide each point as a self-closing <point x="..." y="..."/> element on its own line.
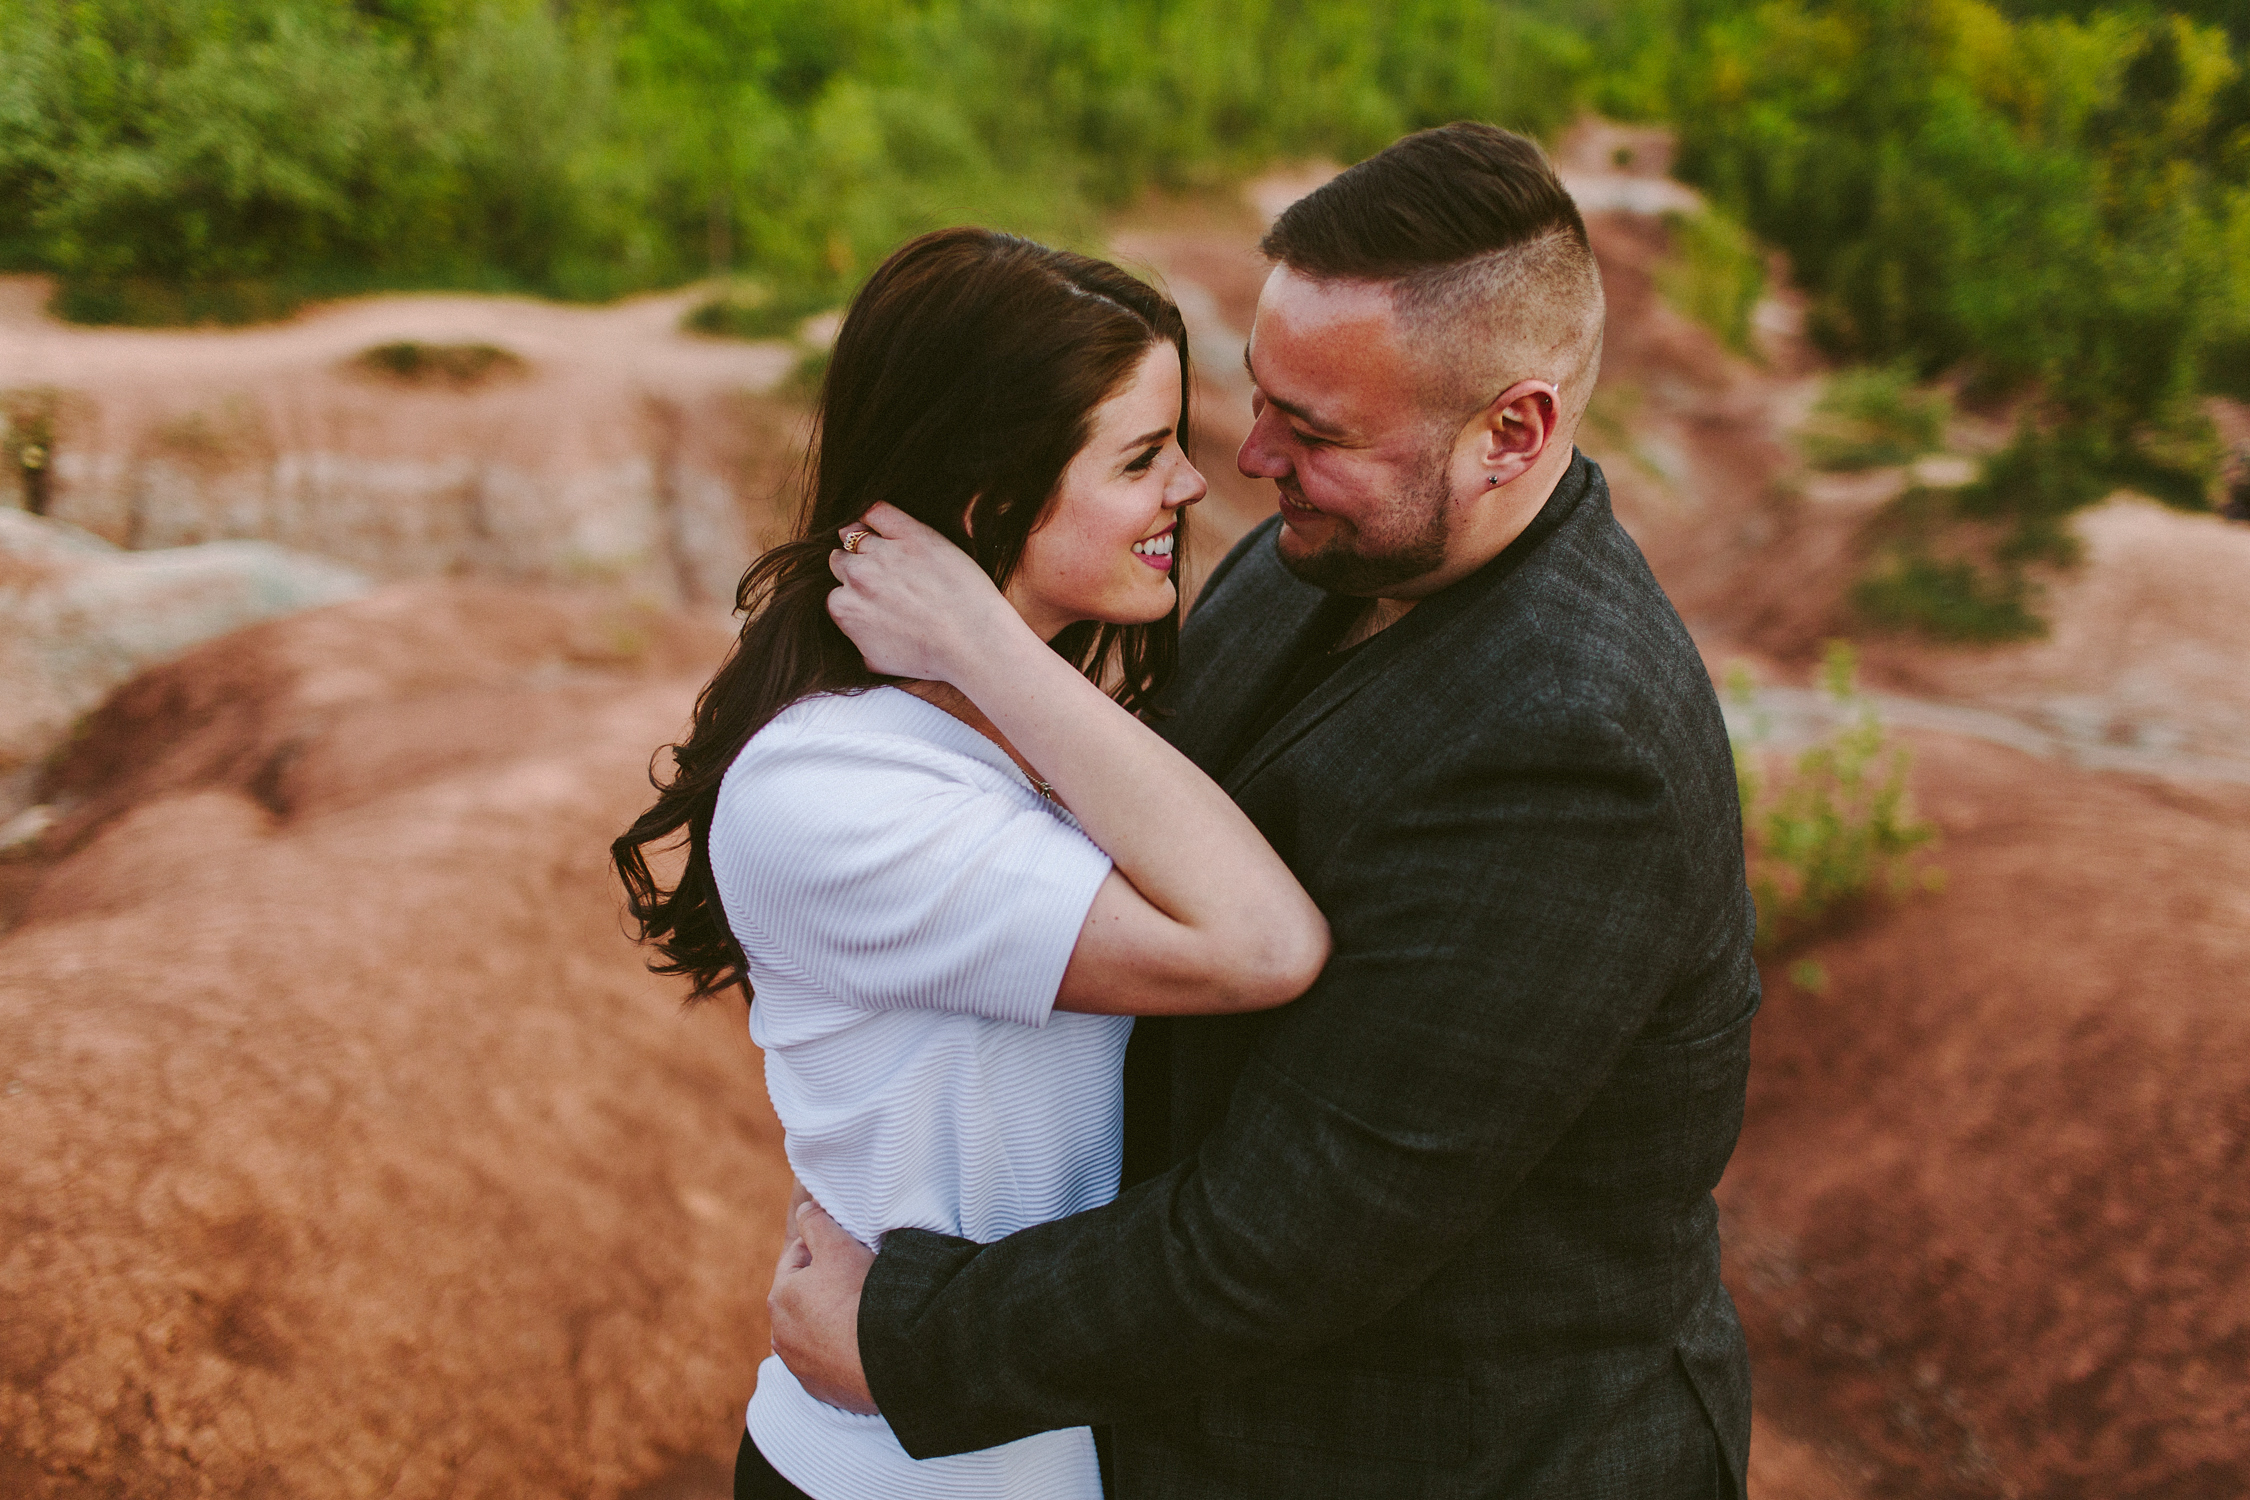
<point x="1579" y="624"/>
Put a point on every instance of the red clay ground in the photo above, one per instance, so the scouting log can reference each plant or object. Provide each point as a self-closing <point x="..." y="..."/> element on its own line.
<point x="352" y="1152"/>
<point x="1987" y="1223"/>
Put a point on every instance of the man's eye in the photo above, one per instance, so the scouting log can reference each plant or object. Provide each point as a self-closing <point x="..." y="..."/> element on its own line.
<point x="1309" y="440"/>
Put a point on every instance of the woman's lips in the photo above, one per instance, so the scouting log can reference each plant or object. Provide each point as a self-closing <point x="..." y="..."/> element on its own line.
<point x="1156" y="551"/>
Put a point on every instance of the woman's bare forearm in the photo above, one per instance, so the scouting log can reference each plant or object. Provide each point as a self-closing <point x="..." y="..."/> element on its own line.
<point x="1186" y="848"/>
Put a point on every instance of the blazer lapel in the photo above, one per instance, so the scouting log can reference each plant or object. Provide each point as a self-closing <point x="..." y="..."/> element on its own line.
<point x="1235" y="654"/>
<point x="1318" y="704"/>
<point x="1424" y="621"/>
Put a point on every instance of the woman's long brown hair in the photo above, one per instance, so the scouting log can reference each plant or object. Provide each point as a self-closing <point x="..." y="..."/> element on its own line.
<point x="963" y="381"/>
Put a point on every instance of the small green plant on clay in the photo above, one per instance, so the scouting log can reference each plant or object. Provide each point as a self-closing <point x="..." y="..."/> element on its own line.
<point x="1835" y="828"/>
<point x="1715" y="274"/>
<point x="1867" y="418"/>
<point x="456" y="365"/>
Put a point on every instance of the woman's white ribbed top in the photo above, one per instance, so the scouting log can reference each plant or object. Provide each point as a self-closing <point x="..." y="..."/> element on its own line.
<point x="908" y="904"/>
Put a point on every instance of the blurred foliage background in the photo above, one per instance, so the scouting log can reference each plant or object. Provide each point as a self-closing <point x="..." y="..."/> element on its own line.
<point x="2045" y="198"/>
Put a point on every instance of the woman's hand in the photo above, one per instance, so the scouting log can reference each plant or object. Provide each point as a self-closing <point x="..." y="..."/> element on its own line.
<point x="914" y="604"/>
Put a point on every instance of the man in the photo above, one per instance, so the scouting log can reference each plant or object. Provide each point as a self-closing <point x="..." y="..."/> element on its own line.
<point x="1443" y="1226"/>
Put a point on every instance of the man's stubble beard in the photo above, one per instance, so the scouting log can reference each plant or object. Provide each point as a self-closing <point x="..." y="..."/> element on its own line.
<point x="1411" y="542"/>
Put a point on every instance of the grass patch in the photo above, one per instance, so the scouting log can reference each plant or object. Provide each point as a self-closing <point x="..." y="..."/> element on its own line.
<point x="151" y="302"/>
<point x="803" y="382"/>
<point x="1874" y="417"/>
<point x="1715" y="275"/>
<point x="1832" y="829"/>
<point x="457" y="365"/>
<point x="1940" y="569"/>
<point x="1949" y="599"/>
<point x="27" y="441"/>
<point x="750" y="309"/>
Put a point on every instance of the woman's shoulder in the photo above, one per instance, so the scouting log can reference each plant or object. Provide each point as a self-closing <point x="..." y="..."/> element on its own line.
<point x="866" y="729"/>
<point x="842" y="788"/>
<point x="835" y="751"/>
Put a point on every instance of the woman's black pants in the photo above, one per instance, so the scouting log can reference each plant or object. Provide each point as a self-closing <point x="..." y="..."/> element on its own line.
<point x="755" y="1479"/>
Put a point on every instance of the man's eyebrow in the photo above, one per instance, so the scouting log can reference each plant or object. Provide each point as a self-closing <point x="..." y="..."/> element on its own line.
<point x="1317" y="423"/>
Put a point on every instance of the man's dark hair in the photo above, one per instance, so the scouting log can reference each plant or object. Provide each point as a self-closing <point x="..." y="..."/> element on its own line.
<point x="1485" y="253"/>
<point x="1434" y="198"/>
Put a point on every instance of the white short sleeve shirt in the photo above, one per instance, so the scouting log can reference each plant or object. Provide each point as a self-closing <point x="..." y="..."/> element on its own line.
<point x="908" y="904"/>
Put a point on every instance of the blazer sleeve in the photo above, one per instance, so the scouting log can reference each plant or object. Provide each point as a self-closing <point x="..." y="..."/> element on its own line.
<point x="1505" y="922"/>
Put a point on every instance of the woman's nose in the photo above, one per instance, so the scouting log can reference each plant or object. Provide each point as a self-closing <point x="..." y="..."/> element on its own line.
<point x="1187" y="487"/>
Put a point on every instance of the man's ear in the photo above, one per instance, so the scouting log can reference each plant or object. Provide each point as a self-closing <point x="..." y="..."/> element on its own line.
<point x="1516" y="428"/>
<point x="969" y="516"/>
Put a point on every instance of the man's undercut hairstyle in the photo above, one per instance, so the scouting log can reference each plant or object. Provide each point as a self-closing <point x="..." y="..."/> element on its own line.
<point x="1484" y="250"/>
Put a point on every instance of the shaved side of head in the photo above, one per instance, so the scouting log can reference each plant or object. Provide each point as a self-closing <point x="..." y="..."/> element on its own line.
<point x="1490" y="272"/>
<point x="1529" y="312"/>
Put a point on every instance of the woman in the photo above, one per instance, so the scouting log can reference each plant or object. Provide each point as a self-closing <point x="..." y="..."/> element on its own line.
<point x="948" y="862"/>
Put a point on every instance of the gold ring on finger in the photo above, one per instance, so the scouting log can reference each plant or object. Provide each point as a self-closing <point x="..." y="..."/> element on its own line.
<point x="852" y="539"/>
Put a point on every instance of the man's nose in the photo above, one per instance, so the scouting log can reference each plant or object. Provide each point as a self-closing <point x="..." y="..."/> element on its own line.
<point x="1259" y="456"/>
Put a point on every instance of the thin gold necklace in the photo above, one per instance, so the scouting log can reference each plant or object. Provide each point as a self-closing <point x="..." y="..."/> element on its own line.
<point x="1043" y="788"/>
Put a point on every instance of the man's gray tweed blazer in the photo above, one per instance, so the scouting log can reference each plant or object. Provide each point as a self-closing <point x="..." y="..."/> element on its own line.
<point x="1443" y="1226"/>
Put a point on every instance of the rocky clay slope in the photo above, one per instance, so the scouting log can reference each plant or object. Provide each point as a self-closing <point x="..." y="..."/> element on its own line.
<point x="351" y="1151"/>
<point x="1986" y="1223"/>
<point x="593" y="443"/>
<point x="78" y="616"/>
<point x="196" y="480"/>
<point x="355" y="1154"/>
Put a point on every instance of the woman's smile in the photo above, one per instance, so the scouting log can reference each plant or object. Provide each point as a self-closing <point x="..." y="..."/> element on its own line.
<point x="1123" y="490"/>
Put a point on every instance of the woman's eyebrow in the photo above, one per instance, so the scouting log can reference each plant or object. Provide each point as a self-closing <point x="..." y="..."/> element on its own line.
<point x="1145" y="439"/>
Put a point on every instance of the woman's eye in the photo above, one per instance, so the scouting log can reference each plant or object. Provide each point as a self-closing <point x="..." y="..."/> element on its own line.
<point x="1140" y="465"/>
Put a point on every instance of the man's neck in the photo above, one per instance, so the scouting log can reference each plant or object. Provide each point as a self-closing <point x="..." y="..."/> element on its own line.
<point x="1375" y="617"/>
<point x="1507" y="514"/>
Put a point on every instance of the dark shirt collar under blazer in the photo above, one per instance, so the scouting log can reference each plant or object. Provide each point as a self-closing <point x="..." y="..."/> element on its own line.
<point x="1291" y="622"/>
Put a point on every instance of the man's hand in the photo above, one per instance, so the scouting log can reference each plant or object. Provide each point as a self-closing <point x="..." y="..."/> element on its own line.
<point x="814" y="1308"/>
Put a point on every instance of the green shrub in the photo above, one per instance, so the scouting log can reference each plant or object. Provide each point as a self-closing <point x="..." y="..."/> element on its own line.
<point x="223" y="159"/>
<point x="2040" y="475"/>
<point x="2058" y="204"/>
<point x="1873" y="416"/>
<point x="457" y="365"/>
<point x="1834" y="829"/>
<point x="806" y="377"/>
<point x="745" y="309"/>
<point x="1951" y="599"/>
<point x="1715" y="274"/>
<point x="154" y="302"/>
